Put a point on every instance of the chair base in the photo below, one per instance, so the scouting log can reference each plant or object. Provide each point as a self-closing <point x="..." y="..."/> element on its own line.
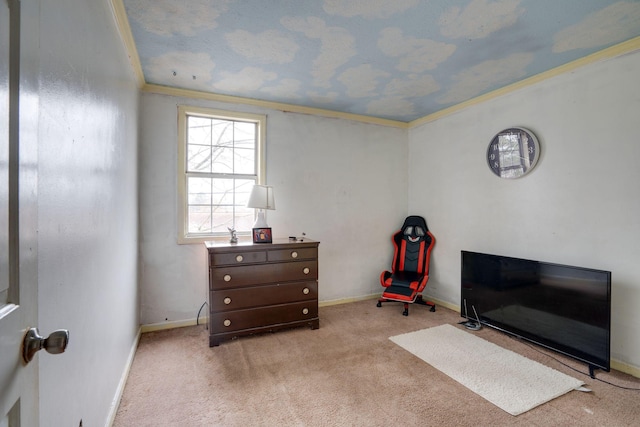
<point x="418" y="300"/>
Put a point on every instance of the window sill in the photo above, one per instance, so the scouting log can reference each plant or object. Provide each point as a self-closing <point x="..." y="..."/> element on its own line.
<point x="219" y="239"/>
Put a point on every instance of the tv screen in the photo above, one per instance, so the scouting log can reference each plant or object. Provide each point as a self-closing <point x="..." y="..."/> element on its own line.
<point x="564" y="308"/>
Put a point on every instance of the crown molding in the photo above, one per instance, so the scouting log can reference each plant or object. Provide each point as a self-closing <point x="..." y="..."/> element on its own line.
<point x="287" y="108"/>
<point x="122" y="24"/>
<point x="620" y="49"/>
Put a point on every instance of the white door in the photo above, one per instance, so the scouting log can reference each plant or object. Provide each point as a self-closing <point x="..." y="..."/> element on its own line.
<point x="18" y="210"/>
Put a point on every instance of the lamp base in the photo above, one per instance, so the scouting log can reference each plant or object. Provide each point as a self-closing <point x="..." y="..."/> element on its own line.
<point x="261" y="222"/>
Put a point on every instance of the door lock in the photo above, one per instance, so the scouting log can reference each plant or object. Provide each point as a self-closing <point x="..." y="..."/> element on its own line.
<point x="55" y="343"/>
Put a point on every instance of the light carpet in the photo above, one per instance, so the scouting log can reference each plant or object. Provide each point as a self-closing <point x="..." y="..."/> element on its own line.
<point x="506" y="379"/>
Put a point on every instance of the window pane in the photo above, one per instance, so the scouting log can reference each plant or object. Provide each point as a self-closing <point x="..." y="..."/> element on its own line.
<point x="222" y="160"/>
<point x="214" y="202"/>
<point x="245" y="219"/>
<point x="199" y="219"/>
<point x="243" y="190"/>
<point x="222" y="133"/>
<point x="221" y="146"/>
<point x="223" y="192"/>
<point x="222" y="219"/>
<point x="199" y="158"/>
<point x="199" y="191"/>
<point x="245" y="135"/>
<point x="230" y="201"/>
<point x="199" y="130"/>
<point x="230" y="191"/>
<point x="244" y="161"/>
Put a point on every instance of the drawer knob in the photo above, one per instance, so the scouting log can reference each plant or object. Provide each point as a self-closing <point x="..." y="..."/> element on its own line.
<point x="227" y="322"/>
<point x="227" y="277"/>
<point x="294" y="254"/>
<point x="239" y="258"/>
<point x="305" y="311"/>
<point x="305" y="291"/>
<point x="227" y="300"/>
<point x="306" y="270"/>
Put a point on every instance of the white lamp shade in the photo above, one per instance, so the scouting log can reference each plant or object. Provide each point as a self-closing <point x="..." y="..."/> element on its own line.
<point x="262" y="197"/>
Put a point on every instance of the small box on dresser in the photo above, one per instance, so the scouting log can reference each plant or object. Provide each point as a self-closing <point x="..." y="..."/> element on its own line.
<point x="261" y="287"/>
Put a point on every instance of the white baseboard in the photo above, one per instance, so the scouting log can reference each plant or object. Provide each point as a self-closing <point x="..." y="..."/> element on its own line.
<point x="174" y="324"/>
<point x="151" y="327"/>
<point x="615" y="364"/>
<point x="347" y="300"/>
<point x="115" y="403"/>
<point x="203" y="319"/>
<point x="634" y="371"/>
<point x="448" y="305"/>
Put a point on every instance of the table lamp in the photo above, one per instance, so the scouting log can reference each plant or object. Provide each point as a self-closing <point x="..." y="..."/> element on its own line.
<point x="261" y="198"/>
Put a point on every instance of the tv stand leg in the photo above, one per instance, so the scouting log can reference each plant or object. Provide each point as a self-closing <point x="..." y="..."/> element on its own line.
<point x="592" y="371"/>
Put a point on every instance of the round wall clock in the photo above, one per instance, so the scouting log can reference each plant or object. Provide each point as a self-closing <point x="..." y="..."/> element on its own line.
<point x="513" y="152"/>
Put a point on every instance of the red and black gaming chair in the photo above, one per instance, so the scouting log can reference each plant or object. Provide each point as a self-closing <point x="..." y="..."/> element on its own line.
<point x="410" y="270"/>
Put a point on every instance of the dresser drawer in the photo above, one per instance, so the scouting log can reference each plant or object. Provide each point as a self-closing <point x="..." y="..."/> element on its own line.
<point x="292" y="254"/>
<point x="236" y="299"/>
<point x="230" y="321"/>
<point x="251" y="275"/>
<point x="236" y="258"/>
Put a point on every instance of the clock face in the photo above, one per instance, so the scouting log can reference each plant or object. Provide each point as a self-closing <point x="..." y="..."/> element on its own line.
<point x="513" y="152"/>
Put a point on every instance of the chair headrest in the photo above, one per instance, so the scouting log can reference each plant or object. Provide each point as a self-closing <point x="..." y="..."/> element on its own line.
<point x="414" y="229"/>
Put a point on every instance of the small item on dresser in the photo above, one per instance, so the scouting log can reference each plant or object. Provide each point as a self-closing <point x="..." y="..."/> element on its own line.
<point x="262" y="235"/>
<point x="234" y="236"/>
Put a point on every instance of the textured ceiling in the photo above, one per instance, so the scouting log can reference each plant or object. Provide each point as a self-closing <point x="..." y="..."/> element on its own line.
<point x="392" y="59"/>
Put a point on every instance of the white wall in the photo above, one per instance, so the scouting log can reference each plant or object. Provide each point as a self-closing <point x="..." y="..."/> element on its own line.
<point x="343" y="183"/>
<point x="580" y="206"/>
<point x="88" y="220"/>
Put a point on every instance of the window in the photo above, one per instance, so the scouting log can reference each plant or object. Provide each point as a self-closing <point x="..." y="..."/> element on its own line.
<point x="220" y="158"/>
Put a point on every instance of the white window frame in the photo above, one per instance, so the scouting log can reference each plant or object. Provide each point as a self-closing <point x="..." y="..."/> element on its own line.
<point x="184" y="237"/>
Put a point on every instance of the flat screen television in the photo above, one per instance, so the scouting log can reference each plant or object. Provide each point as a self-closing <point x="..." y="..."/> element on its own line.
<point x="564" y="308"/>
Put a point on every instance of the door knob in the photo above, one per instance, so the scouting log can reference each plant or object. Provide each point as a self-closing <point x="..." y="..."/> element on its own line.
<point x="55" y="343"/>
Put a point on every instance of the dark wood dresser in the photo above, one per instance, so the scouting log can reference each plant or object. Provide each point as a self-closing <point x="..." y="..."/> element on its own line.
<point x="261" y="287"/>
